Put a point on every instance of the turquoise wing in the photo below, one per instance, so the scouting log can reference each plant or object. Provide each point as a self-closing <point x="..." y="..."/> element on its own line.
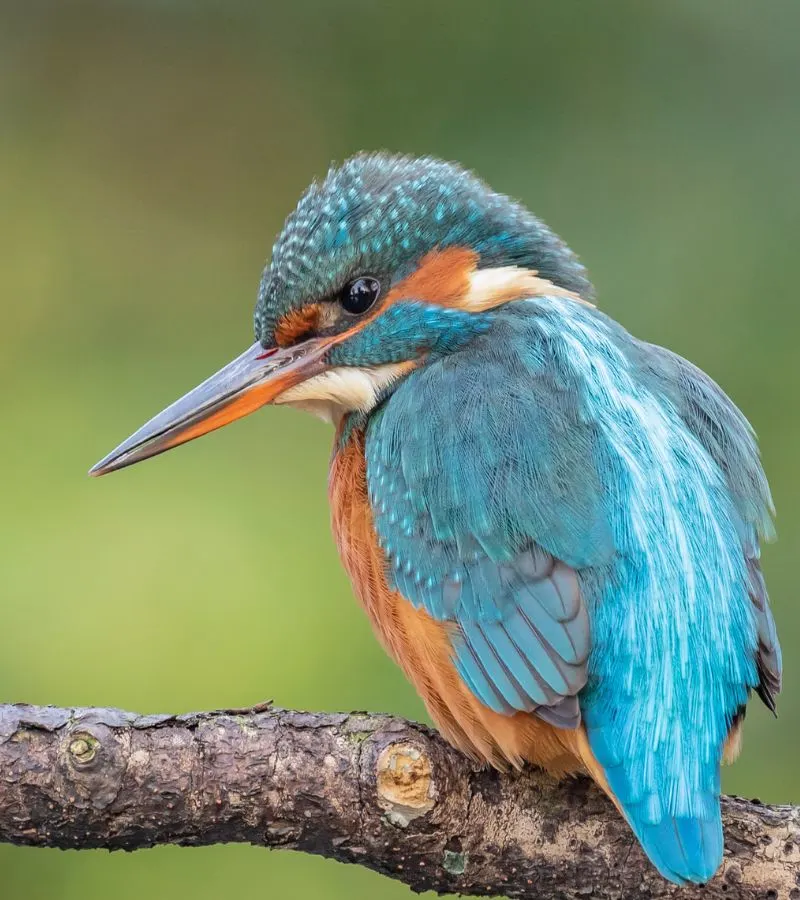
<point x="485" y="505"/>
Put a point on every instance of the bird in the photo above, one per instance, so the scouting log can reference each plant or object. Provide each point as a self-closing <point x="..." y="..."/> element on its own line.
<point x="553" y="526"/>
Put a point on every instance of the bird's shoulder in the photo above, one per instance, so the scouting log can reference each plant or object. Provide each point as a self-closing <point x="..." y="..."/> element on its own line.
<point x="494" y="446"/>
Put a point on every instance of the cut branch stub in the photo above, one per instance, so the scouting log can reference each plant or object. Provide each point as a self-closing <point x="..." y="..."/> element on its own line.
<point x="406" y="789"/>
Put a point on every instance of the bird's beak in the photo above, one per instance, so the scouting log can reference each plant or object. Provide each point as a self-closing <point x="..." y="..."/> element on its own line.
<point x="255" y="378"/>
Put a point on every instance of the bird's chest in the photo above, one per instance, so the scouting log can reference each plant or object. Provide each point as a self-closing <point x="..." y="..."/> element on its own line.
<point x="418" y="643"/>
<point x="353" y="529"/>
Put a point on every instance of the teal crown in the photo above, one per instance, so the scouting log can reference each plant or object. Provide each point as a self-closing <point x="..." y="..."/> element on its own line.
<point x="380" y="214"/>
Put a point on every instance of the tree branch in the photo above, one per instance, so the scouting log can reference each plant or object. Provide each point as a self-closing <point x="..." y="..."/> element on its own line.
<point x="373" y="790"/>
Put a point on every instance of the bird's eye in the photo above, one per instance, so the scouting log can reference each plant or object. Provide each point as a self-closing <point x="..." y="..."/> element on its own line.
<point x="360" y="294"/>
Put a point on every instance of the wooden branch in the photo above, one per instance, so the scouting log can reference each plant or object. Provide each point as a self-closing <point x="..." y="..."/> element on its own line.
<point x="377" y="791"/>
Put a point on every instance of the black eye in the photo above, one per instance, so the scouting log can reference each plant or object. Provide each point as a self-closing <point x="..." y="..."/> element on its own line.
<point x="359" y="295"/>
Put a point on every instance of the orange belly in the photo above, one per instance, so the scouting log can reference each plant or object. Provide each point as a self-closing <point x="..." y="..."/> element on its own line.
<point x="421" y="645"/>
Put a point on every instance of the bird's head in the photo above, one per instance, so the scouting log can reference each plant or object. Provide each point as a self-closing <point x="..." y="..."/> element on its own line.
<point x="387" y="264"/>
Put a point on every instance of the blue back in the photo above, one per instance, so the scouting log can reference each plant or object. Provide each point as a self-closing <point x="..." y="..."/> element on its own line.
<point x="588" y="508"/>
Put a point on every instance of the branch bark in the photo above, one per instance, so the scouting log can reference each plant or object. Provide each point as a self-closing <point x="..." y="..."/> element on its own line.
<point x="373" y="790"/>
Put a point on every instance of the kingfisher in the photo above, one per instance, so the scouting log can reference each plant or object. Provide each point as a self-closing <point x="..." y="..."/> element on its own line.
<point x="554" y="527"/>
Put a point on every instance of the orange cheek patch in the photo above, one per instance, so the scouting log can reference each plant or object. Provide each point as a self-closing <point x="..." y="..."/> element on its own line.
<point x="451" y="278"/>
<point x="443" y="278"/>
<point x="298" y="324"/>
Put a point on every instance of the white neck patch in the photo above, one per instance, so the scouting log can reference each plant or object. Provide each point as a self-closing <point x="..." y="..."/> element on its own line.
<point x="489" y="288"/>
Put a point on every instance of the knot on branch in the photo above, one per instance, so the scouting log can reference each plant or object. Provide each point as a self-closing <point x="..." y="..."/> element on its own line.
<point x="83" y="749"/>
<point x="91" y="764"/>
<point x="406" y="789"/>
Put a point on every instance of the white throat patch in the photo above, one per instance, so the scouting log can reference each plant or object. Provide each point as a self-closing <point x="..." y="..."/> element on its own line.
<point x="334" y="393"/>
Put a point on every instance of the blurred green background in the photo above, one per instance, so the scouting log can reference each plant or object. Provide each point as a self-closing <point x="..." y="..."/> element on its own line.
<point x="149" y="152"/>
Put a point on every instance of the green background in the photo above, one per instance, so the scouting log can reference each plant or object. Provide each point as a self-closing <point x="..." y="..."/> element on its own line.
<point x="149" y="152"/>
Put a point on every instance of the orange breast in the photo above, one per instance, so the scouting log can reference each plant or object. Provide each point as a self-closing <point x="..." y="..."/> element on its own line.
<point x="422" y="647"/>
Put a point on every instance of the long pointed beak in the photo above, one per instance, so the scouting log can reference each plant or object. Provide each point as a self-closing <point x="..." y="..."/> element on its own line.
<point x="255" y="378"/>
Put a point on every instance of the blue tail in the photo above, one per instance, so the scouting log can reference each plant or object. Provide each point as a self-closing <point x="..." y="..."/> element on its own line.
<point x="683" y="847"/>
<point x="683" y="850"/>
